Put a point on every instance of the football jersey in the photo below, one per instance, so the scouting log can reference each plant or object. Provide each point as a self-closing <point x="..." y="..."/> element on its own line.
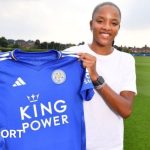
<point x="41" y="101"/>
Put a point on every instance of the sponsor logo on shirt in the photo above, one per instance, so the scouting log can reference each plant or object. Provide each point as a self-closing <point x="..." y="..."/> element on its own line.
<point x="39" y="115"/>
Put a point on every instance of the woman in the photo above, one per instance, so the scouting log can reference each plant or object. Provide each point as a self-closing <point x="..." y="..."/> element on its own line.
<point x="113" y="75"/>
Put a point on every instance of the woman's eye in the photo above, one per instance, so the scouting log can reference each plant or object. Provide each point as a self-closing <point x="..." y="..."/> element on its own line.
<point x="114" y="24"/>
<point x="99" y="21"/>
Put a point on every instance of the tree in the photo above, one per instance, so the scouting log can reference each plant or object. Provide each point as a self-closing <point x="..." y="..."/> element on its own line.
<point x="37" y="44"/>
<point x="16" y="46"/>
<point x="82" y="43"/>
<point x="3" y="42"/>
<point x="44" y="45"/>
<point x="51" y="45"/>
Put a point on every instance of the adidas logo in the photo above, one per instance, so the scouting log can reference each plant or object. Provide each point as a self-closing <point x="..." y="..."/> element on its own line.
<point x="19" y="82"/>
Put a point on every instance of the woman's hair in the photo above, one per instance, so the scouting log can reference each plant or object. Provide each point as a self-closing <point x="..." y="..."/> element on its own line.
<point x="103" y="4"/>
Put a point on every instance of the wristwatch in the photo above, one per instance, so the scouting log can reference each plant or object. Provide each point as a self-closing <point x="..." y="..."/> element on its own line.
<point x="99" y="82"/>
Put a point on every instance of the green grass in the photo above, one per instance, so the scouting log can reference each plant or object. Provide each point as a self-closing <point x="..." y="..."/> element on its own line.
<point x="137" y="127"/>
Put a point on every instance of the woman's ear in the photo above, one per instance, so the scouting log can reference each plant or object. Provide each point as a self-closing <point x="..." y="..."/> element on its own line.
<point x="90" y="25"/>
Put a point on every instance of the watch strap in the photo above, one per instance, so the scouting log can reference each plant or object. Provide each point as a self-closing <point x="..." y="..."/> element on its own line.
<point x="99" y="83"/>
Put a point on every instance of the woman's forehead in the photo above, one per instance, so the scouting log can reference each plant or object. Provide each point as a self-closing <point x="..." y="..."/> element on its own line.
<point x="107" y="9"/>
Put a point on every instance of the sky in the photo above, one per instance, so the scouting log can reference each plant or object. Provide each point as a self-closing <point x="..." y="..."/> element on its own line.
<point x="67" y="21"/>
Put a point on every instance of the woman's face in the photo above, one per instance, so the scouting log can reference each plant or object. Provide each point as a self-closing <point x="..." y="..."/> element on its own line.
<point x="105" y="25"/>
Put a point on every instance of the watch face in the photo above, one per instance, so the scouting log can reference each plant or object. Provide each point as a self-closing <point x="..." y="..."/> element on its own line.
<point x="99" y="81"/>
<point x="102" y="80"/>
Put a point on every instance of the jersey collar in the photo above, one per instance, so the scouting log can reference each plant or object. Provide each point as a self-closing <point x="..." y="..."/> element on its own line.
<point x="20" y="55"/>
<point x="36" y="60"/>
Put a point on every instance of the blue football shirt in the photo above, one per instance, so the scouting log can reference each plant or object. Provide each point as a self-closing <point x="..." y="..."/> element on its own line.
<point x="41" y="101"/>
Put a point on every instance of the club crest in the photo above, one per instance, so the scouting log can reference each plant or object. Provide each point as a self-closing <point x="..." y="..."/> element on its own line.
<point x="58" y="76"/>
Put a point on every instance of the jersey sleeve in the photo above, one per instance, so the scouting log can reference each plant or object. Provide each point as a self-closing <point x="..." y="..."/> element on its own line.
<point x="87" y="89"/>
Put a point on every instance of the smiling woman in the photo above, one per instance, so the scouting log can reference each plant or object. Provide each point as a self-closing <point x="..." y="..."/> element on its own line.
<point x="104" y="26"/>
<point x="114" y="80"/>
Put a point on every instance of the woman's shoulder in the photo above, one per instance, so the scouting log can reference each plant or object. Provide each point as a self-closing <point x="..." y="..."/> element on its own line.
<point x="124" y="55"/>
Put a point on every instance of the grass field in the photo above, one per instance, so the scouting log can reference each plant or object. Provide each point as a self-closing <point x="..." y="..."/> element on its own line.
<point x="137" y="127"/>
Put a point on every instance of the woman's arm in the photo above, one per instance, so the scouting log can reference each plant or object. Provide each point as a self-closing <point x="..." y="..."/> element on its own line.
<point x="119" y="103"/>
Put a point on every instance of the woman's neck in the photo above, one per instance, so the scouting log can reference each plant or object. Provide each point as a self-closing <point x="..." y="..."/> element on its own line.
<point x="102" y="50"/>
